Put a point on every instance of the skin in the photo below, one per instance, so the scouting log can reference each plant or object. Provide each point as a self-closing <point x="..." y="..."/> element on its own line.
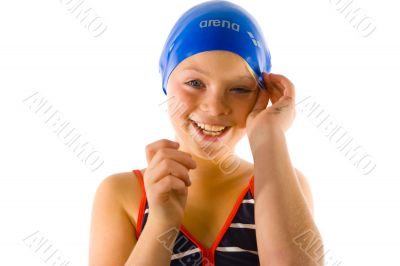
<point x="218" y="97"/>
<point x="215" y="94"/>
<point x="210" y="95"/>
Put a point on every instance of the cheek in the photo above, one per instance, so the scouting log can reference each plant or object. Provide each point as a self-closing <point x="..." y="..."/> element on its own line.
<point x="243" y="107"/>
<point x="180" y="104"/>
<point x="241" y="119"/>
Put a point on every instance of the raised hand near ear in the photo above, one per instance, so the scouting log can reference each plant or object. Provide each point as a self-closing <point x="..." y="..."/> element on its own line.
<point x="280" y="91"/>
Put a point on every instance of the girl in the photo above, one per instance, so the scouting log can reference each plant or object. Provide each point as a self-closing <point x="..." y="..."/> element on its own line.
<point x="197" y="202"/>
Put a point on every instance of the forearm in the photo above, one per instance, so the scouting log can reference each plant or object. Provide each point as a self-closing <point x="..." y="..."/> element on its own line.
<point x="154" y="246"/>
<point x="282" y="215"/>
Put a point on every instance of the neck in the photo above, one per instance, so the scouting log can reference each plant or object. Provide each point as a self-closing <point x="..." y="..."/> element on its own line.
<point x="216" y="170"/>
<point x="213" y="173"/>
<point x="207" y="168"/>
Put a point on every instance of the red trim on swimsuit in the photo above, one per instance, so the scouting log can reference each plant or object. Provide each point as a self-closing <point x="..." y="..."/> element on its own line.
<point x="252" y="186"/>
<point x="142" y="203"/>
<point x="207" y="254"/>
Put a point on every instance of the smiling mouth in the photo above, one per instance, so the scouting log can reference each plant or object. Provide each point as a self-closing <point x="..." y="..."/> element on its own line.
<point x="210" y="133"/>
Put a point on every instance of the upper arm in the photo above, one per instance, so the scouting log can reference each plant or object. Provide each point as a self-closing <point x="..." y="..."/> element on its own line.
<point x="112" y="235"/>
<point x="305" y="188"/>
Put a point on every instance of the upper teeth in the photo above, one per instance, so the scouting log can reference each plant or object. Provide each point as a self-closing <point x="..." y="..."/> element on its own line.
<point x="210" y="127"/>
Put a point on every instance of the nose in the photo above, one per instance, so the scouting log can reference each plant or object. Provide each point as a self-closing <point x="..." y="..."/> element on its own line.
<point x="215" y="104"/>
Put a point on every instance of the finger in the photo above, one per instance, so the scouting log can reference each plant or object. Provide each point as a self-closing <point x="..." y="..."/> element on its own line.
<point x="170" y="167"/>
<point x="283" y="85"/>
<point x="272" y="88"/>
<point x="170" y="183"/>
<point x="284" y="103"/>
<point x="261" y="101"/>
<point x="181" y="157"/>
<point x="152" y="148"/>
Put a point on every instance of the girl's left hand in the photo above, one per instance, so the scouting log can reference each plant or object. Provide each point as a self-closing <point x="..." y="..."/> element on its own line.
<point x="280" y="114"/>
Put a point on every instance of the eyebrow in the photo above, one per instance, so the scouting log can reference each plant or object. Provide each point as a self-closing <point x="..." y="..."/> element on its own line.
<point x="207" y="73"/>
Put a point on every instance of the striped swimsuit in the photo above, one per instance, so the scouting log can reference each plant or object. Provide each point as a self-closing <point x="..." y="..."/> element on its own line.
<point x="235" y="243"/>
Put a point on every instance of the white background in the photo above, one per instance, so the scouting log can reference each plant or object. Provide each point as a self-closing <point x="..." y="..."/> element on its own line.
<point x="109" y="89"/>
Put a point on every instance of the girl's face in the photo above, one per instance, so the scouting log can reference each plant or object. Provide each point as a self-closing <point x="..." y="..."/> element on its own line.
<point x="215" y="88"/>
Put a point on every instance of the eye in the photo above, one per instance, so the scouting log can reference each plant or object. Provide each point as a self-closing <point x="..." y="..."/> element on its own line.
<point x="242" y="90"/>
<point x="197" y="83"/>
<point x="193" y="83"/>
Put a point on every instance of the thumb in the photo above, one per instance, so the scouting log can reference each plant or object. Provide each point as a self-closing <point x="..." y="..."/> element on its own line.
<point x="261" y="102"/>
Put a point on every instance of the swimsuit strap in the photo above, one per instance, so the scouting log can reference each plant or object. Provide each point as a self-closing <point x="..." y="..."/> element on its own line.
<point x="142" y="203"/>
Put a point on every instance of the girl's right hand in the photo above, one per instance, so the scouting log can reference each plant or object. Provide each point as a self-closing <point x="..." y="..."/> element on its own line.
<point x="166" y="181"/>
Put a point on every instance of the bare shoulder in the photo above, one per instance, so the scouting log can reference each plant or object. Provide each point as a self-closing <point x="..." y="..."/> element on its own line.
<point x="113" y="222"/>
<point x="128" y="190"/>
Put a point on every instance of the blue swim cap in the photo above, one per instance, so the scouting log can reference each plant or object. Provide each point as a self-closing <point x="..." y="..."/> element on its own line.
<point x="215" y="25"/>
